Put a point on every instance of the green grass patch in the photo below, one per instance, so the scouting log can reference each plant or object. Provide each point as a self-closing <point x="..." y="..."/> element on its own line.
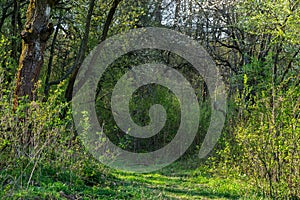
<point x="184" y="179"/>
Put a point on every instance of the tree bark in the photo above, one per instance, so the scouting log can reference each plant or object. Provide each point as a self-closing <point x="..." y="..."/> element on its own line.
<point x="35" y="36"/>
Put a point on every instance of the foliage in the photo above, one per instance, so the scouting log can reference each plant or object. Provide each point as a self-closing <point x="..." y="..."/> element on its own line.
<point x="260" y="140"/>
<point x="36" y="142"/>
<point x="266" y="148"/>
<point x="7" y="62"/>
<point x="144" y="97"/>
<point x="254" y="43"/>
<point x="280" y="20"/>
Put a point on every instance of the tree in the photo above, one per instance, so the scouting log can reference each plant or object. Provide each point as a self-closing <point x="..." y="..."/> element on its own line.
<point x="35" y="36"/>
<point x="85" y="41"/>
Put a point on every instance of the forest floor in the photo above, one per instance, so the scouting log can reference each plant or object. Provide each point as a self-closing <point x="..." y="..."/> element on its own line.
<point x="184" y="179"/>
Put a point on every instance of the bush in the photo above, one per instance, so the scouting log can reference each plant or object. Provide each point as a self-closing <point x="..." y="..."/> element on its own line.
<point x="265" y="143"/>
<point x="38" y="146"/>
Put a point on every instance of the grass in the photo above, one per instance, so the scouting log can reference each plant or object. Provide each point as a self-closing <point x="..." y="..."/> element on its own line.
<point x="184" y="179"/>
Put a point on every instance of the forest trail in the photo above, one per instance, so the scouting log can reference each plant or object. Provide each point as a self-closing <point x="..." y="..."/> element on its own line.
<point x="181" y="180"/>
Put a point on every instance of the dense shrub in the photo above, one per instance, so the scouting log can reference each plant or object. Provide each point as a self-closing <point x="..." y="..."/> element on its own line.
<point x="38" y="146"/>
<point x="264" y="144"/>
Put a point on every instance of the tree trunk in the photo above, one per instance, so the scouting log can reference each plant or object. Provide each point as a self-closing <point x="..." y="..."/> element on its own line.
<point x="14" y="23"/>
<point x="177" y="15"/>
<point x="35" y="36"/>
<point x="80" y="59"/>
<point x="81" y="54"/>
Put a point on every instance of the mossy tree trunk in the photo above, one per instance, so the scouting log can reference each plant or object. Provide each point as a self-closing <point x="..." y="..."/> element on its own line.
<point x="35" y="36"/>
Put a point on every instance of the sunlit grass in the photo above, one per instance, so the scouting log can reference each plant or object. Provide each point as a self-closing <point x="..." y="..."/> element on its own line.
<point x="185" y="179"/>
